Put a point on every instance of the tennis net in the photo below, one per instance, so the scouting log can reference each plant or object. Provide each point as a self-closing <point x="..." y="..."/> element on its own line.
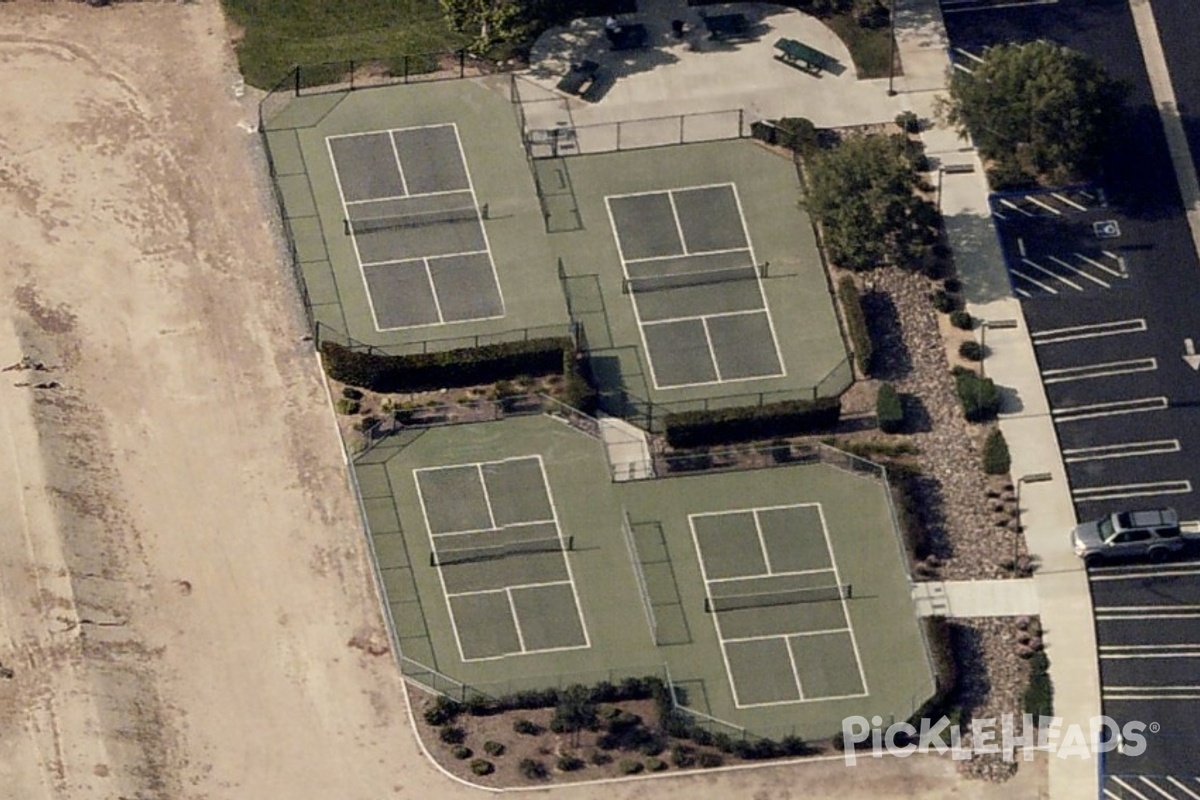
<point x="466" y="555"/>
<point x="655" y="283"/>
<point x="415" y="220"/>
<point x="789" y="597"/>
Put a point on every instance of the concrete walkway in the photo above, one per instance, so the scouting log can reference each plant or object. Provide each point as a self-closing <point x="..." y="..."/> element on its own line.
<point x="628" y="450"/>
<point x="1047" y="514"/>
<point x="967" y="599"/>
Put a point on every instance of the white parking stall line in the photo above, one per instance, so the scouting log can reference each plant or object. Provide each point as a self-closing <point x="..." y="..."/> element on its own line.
<point x="1155" y="447"/>
<point x="1175" y="782"/>
<point x="1113" y="408"/>
<point x="1062" y="198"/>
<point x="1116" y="273"/>
<point x="1051" y="273"/>
<point x="1024" y="293"/>
<point x="1047" y="206"/>
<point x="1093" y="331"/>
<point x="1128" y="787"/>
<point x="963" y="6"/>
<point x="1105" y="370"/>
<point x="1123" y="491"/>
<point x="1034" y="281"/>
<point x="968" y="54"/>
<point x="1134" y="697"/>
<point x="959" y="66"/>
<point x="998" y="215"/>
<point x="1021" y="247"/>
<point x="1154" y="571"/>
<point x="1014" y="206"/>
<point x="1080" y="272"/>
<point x="1155" y="787"/>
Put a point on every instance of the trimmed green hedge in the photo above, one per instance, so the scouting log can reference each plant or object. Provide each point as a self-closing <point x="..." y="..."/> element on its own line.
<point x="979" y="397"/>
<point x="889" y="411"/>
<point x="856" y="324"/>
<point x="1039" y="696"/>
<point x="720" y="426"/>
<point x="468" y="366"/>
<point x="996" y="459"/>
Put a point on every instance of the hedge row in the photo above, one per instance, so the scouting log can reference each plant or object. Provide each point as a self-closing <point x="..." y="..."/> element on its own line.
<point x="1039" y="696"/>
<point x="905" y="483"/>
<point x="979" y="397"/>
<point x="889" y="410"/>
<point x="856" y="324"/>
<point x="720" y="426"/>
<point x="467" y="366"/>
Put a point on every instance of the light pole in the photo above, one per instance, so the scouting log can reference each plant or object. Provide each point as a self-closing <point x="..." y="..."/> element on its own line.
<point x="892" y="49"/>
<point x="1036" y="477"/>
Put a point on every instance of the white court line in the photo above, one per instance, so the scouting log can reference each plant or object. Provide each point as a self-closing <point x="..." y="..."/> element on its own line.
<point x="1052" y="274"/>
<point x="1033" y="199"/>
<point x="1122" y="450"/>
<point x="712" y="351"/>
<point x="422" y="258"/>
<point x="494" y="530"/>
<point x="1062" y="198"/>
<point x="353" y="240"/>
<point x="587" y="639"/>
<point x="1121" y="273"/>
<point x="399" y="166"/>
<point x="1034" y="281"/>
<point x="441" y="575"/>
<point x="1093" y="331"/>
<point x="637" y="316"/>
<point x="1124" y="491"/>
<point x="1080" y="273"/>
<point x="482" y="228"/>
<point x="667" y="320"/>
<point x="772" y="575"/>
<point x="678" y="224"/>
<point x="762" y="542"/>
<point x="675" y="189"/>
<point x="437" y="304"/>
<point x="787" y="645"/>
<point x="541" y="585"/>
<point x="677" y="255"/>
<point x="390" y="130"/>
<point x="727" y="511"/>
<point x="764" y="637"/>
<point x="487" y="498"/>
<point x="416" y="196"/>
<point x="512" y="609"/>
<point x="1105" y="370"/>
<point x="845" y="612"/>
<point x="715" y="617"/>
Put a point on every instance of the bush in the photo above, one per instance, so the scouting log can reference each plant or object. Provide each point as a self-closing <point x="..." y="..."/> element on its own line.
<point x="481" y="766"/>
<point x="527" y="727"/>
<point x="479" y="706"/>
<point x="971" y="350"/>
<point x="346" y="406"/>
<point x="652" y="746"/>
<point x="908" y="122"/>
<point x="350" y="393"/>
<point x="655" y="764"/>
<point x="623" y="721"/>
<point x="443" y="712"/>
<point x="794" y="746"/>
<point x="468" y="366"/>
<point x="996" y="460"/>
<point x="979" y="397"/>
<point x="797" y="133"/>
<point x="962" y="320"/>
<point x="788" y="418"/>
<point x="683" y="755"/>
<point x="452" y="734"/>
<point x="889" y="411"/>
<point x="905" y="481"/>
<point x="600" y="758"/>
<point x="532" y="769"/>
<point x="630" y="766"/>
<point x="568" y="762"/>
<point x="856" y="324"/>
<point x="1039" y="696"/>
<point x="708" y="760"/>
<point x="461" y="752"/>
<point x="494" y="748"/>
<point x="943" y="301"/>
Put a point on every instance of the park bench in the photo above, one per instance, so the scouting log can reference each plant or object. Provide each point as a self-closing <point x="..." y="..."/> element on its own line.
<point x="801" y="56"/>
<point x="628" y="37"/>
<point x="726" y="26"/>
<point x="580" y="78"/>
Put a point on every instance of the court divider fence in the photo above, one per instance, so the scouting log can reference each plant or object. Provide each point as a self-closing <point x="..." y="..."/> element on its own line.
<point x="639" y="575"/>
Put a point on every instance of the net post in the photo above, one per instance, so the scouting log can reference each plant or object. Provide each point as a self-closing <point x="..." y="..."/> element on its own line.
<point x="433" y="558"/>
<point x="346" y="226"/>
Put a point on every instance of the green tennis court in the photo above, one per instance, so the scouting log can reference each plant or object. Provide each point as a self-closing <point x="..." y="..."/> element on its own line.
<point x="502" y="559"/>
<point x="778" y="606"/>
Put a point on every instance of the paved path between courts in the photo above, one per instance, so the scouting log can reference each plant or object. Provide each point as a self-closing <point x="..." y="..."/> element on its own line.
<point x="971" y="599"/>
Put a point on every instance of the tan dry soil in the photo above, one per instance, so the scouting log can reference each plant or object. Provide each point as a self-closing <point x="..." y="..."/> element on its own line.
<point x="184" y="597"/>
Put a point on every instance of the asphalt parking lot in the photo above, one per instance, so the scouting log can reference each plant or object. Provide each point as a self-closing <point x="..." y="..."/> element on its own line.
<point x="1115" y="362"/>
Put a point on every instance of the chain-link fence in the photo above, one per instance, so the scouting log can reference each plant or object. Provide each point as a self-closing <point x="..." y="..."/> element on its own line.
<point x="637" y="134"/>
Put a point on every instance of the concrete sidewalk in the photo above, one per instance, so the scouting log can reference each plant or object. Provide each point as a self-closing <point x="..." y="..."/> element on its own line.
<point x="1047" y="514"/>
<point x="971" y="599"/>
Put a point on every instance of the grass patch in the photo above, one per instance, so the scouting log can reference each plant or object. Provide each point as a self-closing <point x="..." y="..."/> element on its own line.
<point x="278" y="34"/>
<point x="870" y="48"/>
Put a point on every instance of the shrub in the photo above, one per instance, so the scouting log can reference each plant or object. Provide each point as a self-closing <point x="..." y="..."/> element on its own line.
<point x="794" y="746"/>
<point x="856" y="324"/>
<point x="481" y="766"/>
<point x="600" y="758"/>
<point x="683" y="755"/>
<point x="479" y="706"/>
<point x="630" y="766"/>
<point x="708" y="760"/>
<point x="905" y="484"/>
<point x="788" y="418"/>
<point x="527" y="727"/>
<point x="797" y="133"/>
<point x="652" y="746"/>
<point x="1039" y="696"/>
<point x="443" y="711"/>
<point x="889" y="411"/>
<point x="908" y="122"/>
<point x="461" y="752"/>
<point x="979" y="397"/>
<point x="623" y="721"/>
<point x="971" y="350"/>
<point x="346" y="406"/>
<point x="962" y="320"/>
<point x="568" y="762"/>
<point x="655" y="764"/>
<point x="943" y="301"/>
<point x="468" y="366"/>
<point x="452" y="734"/>
<point x="494" y="748"/>
<point x="350" y="393"/>
<point x="532" y="769"/>
<point x="996" y="460"/>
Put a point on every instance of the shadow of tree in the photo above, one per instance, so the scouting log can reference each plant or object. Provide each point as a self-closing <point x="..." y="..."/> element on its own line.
<point x="891" y="360"/>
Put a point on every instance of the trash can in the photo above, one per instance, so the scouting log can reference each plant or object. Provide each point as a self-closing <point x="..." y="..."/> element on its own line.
<point x="677" y="28"/>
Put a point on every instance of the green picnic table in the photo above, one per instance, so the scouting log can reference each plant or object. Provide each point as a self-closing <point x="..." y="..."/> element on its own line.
<point x="801" y="56"/>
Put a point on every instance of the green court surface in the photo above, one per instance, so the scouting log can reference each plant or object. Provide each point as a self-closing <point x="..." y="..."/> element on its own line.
<point x="550" y="574"/>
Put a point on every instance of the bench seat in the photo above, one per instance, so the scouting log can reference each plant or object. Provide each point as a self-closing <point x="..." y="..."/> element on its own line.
<point x="798" y="54"/>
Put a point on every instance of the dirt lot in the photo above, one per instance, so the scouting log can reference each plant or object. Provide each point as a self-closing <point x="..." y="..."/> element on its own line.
<point x="184" y="600"/>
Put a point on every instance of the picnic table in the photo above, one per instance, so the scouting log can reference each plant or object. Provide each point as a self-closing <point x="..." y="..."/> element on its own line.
<point x="801" y="56"/>
<point x="726" y="26"/>
<point x="629" y="36"/>
<point x="579" y="78"/>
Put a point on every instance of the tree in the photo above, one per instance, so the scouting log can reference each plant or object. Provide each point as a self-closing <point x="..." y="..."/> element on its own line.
<point x="863" y="194"/>
<point x="574" y="712"/>
<point x="487" y="21"/>
<point x="1039" y="108"/>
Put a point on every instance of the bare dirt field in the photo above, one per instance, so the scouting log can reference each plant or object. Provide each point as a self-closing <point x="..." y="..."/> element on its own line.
<point x="185" y="603"/>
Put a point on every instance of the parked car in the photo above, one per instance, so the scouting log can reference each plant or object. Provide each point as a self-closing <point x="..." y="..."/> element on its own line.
<point x="1135" y="535"/>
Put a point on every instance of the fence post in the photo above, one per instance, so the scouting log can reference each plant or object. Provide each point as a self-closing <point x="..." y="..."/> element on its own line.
<point x="406" y="67"/>
<point x="741" y="122"/>
<point x="462" y="62"/>
<point x="352" y="74"/>
<point x="618" y="136"/>
<point x="297" y="80"/>
<point x="681" y="119"/>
